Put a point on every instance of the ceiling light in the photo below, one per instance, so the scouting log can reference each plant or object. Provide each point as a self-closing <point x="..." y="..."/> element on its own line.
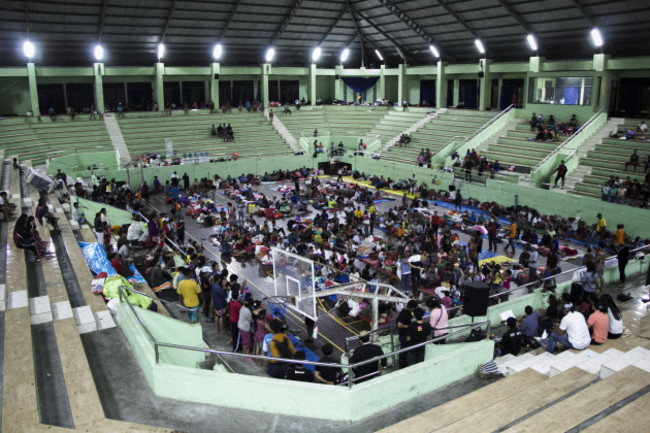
<point x="315" y="55"/>
<point x="345" y="54"/>
<point x="532" y="42"/>
<point x="28" y="49"/>
<point x="99" y="53"/>
<point x="434" y="51"/>
<point x="217" y="51"/>
<point x="270" y="53"/>
<point x="379" y="55"/>
<point x="597" y="37"/>
<point x="479" y="46"/>
<point x="161" y="51"/>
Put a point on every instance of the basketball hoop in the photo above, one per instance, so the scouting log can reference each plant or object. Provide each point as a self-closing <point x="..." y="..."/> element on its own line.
<point x="278" y="304"/>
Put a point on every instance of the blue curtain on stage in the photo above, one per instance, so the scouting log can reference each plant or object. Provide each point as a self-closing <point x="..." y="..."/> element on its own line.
<point x="360" y="84"/>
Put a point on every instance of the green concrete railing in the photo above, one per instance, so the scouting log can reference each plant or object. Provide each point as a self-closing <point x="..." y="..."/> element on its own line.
<point x="177" y="376"/>
<point x="568" y="150"/>
<point x="475" y="139"/>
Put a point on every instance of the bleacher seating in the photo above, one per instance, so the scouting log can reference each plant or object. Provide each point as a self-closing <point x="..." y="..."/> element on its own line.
<point x="146" y="133"/>
<point x="608" y="159"/>
<point x="334" y="119"/>
<point x="395" y="122"/>
<point x="39" y="140"/>
<point x="436" y="134"/>
<point x="517" y="150"/>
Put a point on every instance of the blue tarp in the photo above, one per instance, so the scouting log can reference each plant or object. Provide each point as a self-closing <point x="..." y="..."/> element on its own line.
<point x="359" y="84"/>
<point x="97" y="261"/>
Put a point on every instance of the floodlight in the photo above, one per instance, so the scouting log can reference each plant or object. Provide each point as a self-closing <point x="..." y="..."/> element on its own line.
<point x="28" y="49"/>
<point x="434" y="51"/>
<point x="479" y="46"/>
<point x="270" y="53"/>
<point x="99" y="53"/>
<point x="217" y="51"/>
<point x="532" y="42"/>
<point x="161" y="51"/>
<point x="345" y="54"/>
<point x="597" y="37"/>
<point x="315" y="55"/>
<point x="379" y="55"/>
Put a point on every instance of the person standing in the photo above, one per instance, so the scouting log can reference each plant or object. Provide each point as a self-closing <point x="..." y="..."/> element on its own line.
<point x="493" y="228"/>
<point x="601" y="226"/>
<point x="419" y="331"/>
<point x="438" y="319"/>
<point x="623" y="257"/>
<point x="512" y="237"/>
<point x="189" y="293"/>
<point x="561" y="171"/>
<point x="367" y="351"/>
<point x="404" y="320"/>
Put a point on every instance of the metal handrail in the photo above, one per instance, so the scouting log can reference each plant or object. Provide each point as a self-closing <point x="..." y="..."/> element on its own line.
<point x="568" y="140"/>
<point x="542" y="280"/>
<point x="350" y="367"/>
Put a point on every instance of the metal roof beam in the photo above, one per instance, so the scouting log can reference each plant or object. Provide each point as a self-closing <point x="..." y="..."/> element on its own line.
<point x="101" y="21"/>
<point x="230" y="18"/>
<point x="27" y="17"/>
<point x="404" y="18"/>
<point x="359" y="35"/>
<point x="515" y="15"/>
<point x="398" y="47"/>
<point x="169" y="15"/>
<point x="287" y="19"/>
<point x="333" y="26"/>
<point x="584" y="13"/>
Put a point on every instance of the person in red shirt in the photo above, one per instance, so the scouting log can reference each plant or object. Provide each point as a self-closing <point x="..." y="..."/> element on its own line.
<point x="599" y="324"/>
<point x="435" y="222"/>
<point x="493" y="228"/>
<point x="234" y="306"/>
<point x="116" y="263"/>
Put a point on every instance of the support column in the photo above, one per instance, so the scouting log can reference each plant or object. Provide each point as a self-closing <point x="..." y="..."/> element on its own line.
<point x="497" y="103"/>
<point x="180" y="90"/>
<point x="441" y="85"/>
<point x="215" y="69"/>
<point x="266" y="70"/>
<point x="600" y="95"/>
<point x="98" y="72"/>
<point x="33" y="90"/>
<point x="401" y="80"/>
<point x="126" y="95"/>
<point x="160" y="88"/>
<point x="338" y="83"/>
<point x="456" y="92"/>
<point x="381" y="83"/>
<point x="312" y="83"/>
<point x="484" y="83"/>
<point x="65" y="96"/>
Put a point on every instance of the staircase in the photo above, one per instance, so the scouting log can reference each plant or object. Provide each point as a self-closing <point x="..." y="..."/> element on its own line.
<point x="413" y="128"/>
<point x="578" y="174"/>
<point x="284" y="132"/>
<point x="572" y="391"/>
<point x="117" y="139"/>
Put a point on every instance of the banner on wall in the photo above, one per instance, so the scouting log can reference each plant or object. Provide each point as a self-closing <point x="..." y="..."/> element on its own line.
<point x="169" y="147"/>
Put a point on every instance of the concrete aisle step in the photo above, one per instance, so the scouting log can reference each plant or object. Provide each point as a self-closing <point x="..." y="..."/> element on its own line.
<point x="503" y="368"/>
<point x="619" y="363"/>
<point x="594" y="364"/>
<point x="587" y="403"/>
<point x="626" y="419"/>
<point x="516" y="407"/>
<point x="465" y="406"/>
<point x="568" y="359"/>
<point x="538" y="359"/>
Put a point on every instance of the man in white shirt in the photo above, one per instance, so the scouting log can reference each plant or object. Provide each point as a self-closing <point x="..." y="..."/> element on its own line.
<point x="573" y="332"/>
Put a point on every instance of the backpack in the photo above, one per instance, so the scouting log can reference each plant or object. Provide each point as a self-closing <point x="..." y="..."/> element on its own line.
<point x="283" y="348"/>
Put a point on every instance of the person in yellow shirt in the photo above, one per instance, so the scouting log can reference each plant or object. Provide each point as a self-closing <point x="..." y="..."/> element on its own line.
<point x="512" y="237"/>
<point x="620" y="236"/>
<point x="372" y="209"/>
<point x="188" y="293"/>
<point x="601" y="226"/>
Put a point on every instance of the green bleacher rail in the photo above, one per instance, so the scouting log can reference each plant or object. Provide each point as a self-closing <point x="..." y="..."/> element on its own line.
<point x="474" y="140"/>
<point x="568" y="150"/>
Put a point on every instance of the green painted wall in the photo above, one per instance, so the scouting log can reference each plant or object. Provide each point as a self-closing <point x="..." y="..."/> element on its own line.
<point x="14" y="96"/>
<point x="325" y="87"/>
<point x="391" y="88"/>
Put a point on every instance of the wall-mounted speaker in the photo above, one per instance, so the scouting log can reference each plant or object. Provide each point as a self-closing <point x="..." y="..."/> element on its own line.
<point x="481" y="74"/>
<point x="336" y="77"/>
<point x="216" y="76"/>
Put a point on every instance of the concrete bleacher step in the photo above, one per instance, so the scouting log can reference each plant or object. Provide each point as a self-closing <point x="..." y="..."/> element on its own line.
<point x="586" y="404"/>
<point x="632" y="357"/>
<point x="626" y="419"/>
<point x="568" y="359"/>
<point x="462" y="407"/>
<point x="594" y="364"/>
<point x="521" y="366"/>
<point x="503" y="367"/>
<point x="519" y="404"/>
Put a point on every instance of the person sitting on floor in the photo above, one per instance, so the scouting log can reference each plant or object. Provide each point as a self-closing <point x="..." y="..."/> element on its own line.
<point x="572" y="332"/>
<point x="598" y="323"/>
<point x="511" y="340"/>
